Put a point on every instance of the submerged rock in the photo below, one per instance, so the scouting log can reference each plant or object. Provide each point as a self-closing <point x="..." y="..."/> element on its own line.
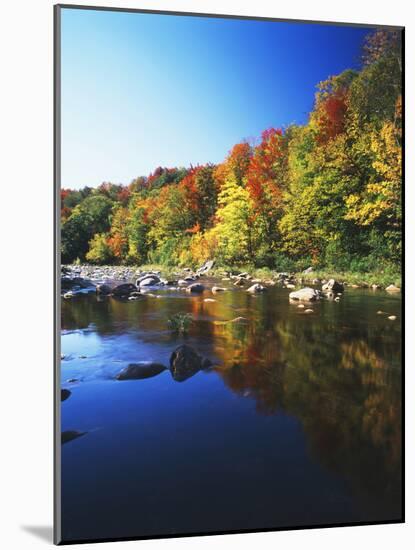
<point x="70" y="435"/>
<point x="392" y="288"/>
<point x="65" y="394"/>
<point x="218" y="289"/>
<point x="196" y="287"/>
<point x="240" y="320"/>
<point x="305" y="295"/>
<point x="256" y="288"/>
<point x="186" y="362"/>
<point x="139" y="371"/>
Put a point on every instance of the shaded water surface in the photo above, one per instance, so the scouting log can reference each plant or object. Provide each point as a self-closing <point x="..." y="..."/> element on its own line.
<point x="297" y="423"/>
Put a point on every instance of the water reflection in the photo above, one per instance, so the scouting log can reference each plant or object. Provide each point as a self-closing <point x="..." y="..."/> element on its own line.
<point x="337" y="372"/>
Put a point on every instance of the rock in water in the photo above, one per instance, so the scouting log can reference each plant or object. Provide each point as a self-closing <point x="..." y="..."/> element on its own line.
<point x="333" y="286"/>
<point x="69" y="435"/>
<point x="186" y="362"/>
<point x="103" y="289"/>
<point x="149" y="280"/>
<point x="196" y="287"/>
<point x="124" y="290"/>
<point x="216" y="289"/>
<point x="392" y="288"/>
<point x="139" y="371"/>
<point x="65" y="394"/>
<point x="305" y="295"/>
<point x="256" y="288"/>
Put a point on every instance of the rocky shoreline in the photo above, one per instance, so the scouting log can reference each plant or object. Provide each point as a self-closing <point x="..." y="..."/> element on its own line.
<point x="132" y="283"/>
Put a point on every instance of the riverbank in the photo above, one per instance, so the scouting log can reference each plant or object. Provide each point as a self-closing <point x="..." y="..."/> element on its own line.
<point x="381" y="278"/>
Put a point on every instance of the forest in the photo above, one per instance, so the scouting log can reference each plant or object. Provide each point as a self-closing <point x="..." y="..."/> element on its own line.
<point x="325" y="194"/>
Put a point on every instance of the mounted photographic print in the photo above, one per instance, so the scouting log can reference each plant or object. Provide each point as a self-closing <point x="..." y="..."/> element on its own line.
<point x="228" y="274"/>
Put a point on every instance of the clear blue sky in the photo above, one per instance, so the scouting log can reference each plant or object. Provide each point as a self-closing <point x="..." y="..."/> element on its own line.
<point x="142" y="90"/>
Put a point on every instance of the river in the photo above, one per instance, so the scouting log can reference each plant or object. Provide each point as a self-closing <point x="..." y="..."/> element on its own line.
<point x="297" y="423"/>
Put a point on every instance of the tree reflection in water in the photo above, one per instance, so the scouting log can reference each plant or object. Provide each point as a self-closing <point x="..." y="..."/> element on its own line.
<point x="338" y="372"/>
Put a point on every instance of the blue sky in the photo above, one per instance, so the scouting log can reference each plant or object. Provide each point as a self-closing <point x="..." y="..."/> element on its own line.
<point x="144" y="90"/>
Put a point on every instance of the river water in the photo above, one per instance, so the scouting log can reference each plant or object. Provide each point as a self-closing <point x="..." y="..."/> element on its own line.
<point x="298" y="422"/>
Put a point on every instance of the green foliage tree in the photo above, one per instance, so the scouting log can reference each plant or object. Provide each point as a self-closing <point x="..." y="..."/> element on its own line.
<point x="328" y="191"/>
<point x="99" y="251"/>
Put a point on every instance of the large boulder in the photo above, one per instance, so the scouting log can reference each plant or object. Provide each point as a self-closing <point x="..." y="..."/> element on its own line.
<point x="332" y="286"/>
<point x="305" y="295"/>
<point x="254" y="289"/>
<point x="124" y="290"/>
<point x="186" y="362"/>
<point x="148" y="280"/>
<point x="196" y="288"/>
<point x="138" y="371"/>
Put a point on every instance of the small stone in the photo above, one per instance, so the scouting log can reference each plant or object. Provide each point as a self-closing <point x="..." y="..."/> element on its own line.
<point x="301" y="306"/>
<point x="218" y="289"/>
<point x="392" y="317"/>
<point x="254" y="289"/>
<point x="309" y="311"/>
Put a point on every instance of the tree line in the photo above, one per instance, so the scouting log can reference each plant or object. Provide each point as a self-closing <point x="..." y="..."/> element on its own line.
<point x="326" y="193"/>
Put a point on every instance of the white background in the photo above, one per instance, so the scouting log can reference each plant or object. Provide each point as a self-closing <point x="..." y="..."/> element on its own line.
<point x="26" y="256"/>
